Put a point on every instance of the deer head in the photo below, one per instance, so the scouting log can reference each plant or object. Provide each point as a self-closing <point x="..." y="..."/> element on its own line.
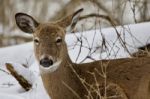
<point x="49" y="38"/>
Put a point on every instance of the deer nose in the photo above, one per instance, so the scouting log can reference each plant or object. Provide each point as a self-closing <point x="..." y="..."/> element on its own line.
<point x="46" y="62"/>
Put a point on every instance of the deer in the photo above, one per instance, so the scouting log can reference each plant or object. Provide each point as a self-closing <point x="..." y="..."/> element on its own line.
<point x="126" y="78"/>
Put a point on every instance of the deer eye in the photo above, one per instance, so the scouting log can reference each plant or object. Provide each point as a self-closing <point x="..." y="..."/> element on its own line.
<point x="58" y="40"/>
<point x="36" y="41"/>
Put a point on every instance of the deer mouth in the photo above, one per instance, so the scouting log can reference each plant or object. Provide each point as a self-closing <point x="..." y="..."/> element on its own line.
<point x="50" y="67"/>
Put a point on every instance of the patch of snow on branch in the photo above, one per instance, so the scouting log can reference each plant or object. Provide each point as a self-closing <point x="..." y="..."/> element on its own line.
<point x="29" y="75"/>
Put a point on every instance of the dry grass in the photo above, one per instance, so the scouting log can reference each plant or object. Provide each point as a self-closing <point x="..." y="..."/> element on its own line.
<point x="96" y="90"/>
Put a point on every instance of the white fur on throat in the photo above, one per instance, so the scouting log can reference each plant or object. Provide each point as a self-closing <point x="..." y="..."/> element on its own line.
<point x="51" y="68"/>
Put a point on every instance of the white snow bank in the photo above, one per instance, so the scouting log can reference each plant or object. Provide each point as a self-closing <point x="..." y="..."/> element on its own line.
<point x="134" y="36"/>
<point x="20" y="54"/>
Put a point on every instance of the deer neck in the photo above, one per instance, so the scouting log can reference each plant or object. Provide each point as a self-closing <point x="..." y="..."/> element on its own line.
<point x="55" y="82"/>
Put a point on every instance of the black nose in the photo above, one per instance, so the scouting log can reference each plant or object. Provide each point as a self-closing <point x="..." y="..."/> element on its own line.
<point x="46" y="62"/>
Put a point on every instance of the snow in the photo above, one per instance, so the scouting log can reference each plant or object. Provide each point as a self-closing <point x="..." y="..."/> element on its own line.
<point x="135" y="35"/>
<point x="20" y="54"/>
<point x="6" y="96"/>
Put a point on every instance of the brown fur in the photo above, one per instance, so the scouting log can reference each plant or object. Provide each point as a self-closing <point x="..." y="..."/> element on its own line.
<point x="128" y="77"/>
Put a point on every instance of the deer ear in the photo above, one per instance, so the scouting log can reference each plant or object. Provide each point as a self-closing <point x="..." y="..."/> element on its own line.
<point x="70" y="21"/>
<point x="26" y="23"/>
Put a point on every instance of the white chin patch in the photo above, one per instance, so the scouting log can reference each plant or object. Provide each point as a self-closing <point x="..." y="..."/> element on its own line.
<point x="51" y="68"/>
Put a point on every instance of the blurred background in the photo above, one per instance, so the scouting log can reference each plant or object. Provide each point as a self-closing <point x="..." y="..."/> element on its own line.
<point x="122" y="12"/>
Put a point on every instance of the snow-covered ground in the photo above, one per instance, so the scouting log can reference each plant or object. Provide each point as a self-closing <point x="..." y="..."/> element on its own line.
<point x="134" y="36"/>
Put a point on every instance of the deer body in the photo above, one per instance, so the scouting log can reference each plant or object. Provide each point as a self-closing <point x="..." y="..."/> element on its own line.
<point x="63" y="79"/>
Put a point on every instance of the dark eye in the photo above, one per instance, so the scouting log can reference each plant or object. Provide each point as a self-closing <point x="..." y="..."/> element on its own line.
<point x="36" y="41"/>
<point x="58" y="40"/>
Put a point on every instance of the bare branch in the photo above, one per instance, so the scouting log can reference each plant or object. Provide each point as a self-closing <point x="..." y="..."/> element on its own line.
<point x="22" y="81"/>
